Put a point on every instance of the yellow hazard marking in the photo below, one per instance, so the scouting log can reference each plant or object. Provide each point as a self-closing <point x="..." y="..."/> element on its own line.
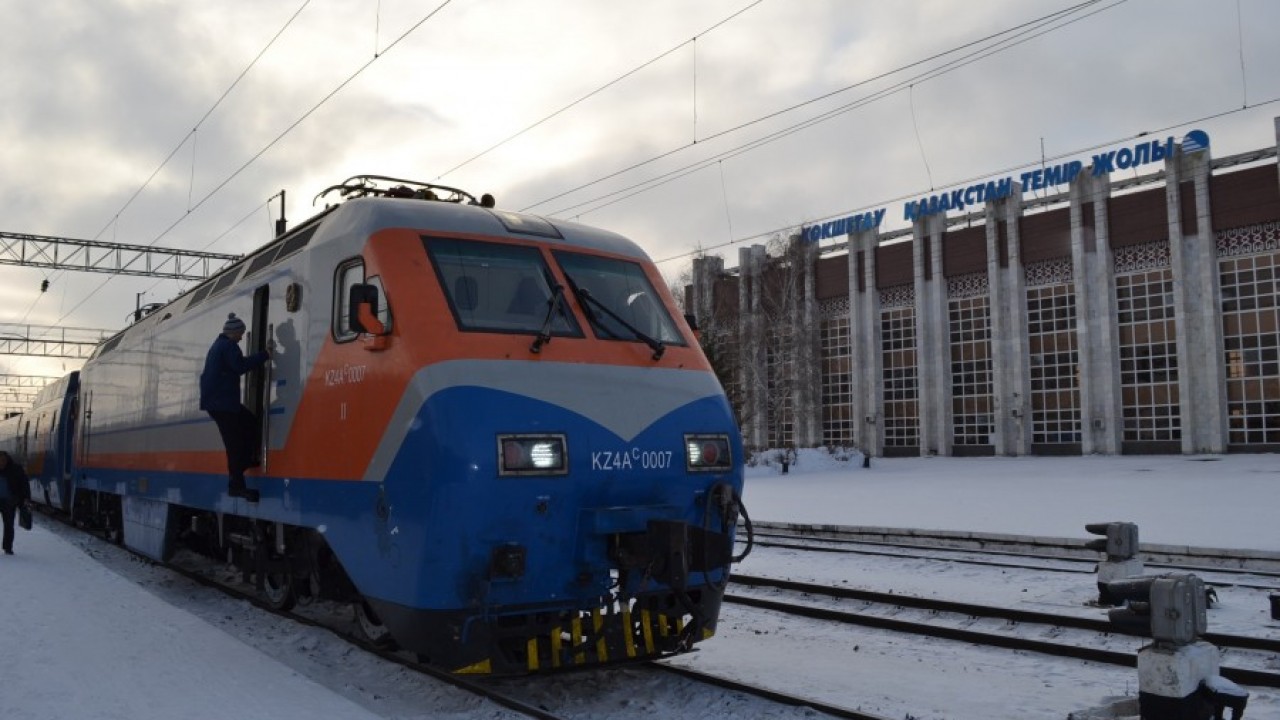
<point x="555" y="647"/>
<point x="575" y="634"/>
<point x="597" y="625"/>
<point x="532" y="651"/>
<point x="646" y="624"/>
<point x="627" y="631"/>
<point x="480" y="668"/>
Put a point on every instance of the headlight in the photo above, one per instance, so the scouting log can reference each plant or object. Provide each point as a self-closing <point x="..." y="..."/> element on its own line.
<point x="707" y="453"/>
<point x="532" y="455"/>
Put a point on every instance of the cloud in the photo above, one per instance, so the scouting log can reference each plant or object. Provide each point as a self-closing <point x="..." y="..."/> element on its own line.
<point x="98" y="94"/>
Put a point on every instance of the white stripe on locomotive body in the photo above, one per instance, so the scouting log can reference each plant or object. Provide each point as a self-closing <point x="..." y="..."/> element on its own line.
<point x="144" y="393"/>
<point x="623" y="399"/>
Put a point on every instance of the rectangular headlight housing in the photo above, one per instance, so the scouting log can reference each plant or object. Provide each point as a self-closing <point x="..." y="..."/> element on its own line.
<point x="529" y="454"/>
<point x="707" y="453"/>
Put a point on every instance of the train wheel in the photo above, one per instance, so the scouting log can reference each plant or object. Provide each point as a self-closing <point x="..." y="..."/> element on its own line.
<point x="371" y="626"/>
<point x="277" y="590"/>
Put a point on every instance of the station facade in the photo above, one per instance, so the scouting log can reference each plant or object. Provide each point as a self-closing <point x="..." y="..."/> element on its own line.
<point x="1066" y="312"/>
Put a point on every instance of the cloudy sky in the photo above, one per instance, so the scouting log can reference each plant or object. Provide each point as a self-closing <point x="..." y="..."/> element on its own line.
<point x="149" y="122"/>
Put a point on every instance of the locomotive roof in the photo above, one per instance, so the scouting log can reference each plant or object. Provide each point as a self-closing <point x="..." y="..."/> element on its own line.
<point x="368" y="215"/>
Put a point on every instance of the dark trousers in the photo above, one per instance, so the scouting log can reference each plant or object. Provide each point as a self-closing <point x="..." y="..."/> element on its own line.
<point x="6" y="514"/>
<point x="239" y="432"/>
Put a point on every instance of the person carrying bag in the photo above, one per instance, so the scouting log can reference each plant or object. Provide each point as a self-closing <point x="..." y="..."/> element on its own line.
<point x="15" y="495"/>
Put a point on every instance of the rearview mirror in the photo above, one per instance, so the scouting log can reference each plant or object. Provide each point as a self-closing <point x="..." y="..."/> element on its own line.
<point x="362" y="309"/>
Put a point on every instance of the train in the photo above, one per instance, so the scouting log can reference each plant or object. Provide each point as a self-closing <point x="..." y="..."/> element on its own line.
<point x="491" y="432"/>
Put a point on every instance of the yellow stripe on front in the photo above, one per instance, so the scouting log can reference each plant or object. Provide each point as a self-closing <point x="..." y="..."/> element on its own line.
<point x="532" y="651"/>
<point x="646" y="624"/>
<point x="663" y="628"/>
<point x="597" y="625"/>
<point x="627" y="632"/>
<point x="555" y="647"/>
<point x="481" y="668"/>
<point x="575" y="634"/>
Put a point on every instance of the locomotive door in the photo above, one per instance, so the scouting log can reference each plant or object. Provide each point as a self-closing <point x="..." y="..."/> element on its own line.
<point x="258" y="388"/>
<point x="66" y="441"/>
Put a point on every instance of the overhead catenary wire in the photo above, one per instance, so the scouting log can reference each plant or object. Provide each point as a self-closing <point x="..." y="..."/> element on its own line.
<point x="1040" y="21"/>
<point x="1026" y="35"/>
<point x="595" y="92"/>
<point x="114" y="221"/>
<point x="196" y="205"/>
<point x="911" y="94"/>
<point x="272" y="143"/>
<point x="1244" y="78"/>
<point x="724" y="193"/>
<point x="204" y="117"/>
<point x="974" y="178"/>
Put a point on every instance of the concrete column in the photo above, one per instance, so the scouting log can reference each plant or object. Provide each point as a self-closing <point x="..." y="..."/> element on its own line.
<point x="932" y="342"/>
<point x="706" y="270"/>
<point x="752" y="377"/>
<point x="1019" y="350"/>
<point x="1097" y="334"/>
<point x="864" y="343"/>
<point x="806" y="357"/>
<point x="1009" y="350"/>
<point x="1193" y="255"/>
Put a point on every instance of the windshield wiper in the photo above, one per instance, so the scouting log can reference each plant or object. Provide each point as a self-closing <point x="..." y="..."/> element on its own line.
<point x="586" y="298"/>
<point x="544" y="335"/>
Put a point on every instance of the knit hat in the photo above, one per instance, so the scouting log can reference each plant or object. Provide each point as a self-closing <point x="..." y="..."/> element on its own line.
<point x="232" y="325"/>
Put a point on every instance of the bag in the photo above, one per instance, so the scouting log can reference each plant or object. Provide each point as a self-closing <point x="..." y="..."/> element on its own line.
<point x="24" y="517"/>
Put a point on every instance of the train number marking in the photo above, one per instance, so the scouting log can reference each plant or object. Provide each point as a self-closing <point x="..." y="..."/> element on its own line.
<point x="631" y="459"/>
<point x="345" y="375"/>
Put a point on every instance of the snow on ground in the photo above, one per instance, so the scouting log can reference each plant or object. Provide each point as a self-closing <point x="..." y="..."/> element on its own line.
<point x="1226" y="501"/>
<point x="90" y="632"/>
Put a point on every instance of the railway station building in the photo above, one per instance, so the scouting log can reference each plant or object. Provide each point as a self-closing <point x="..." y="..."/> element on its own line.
<point x="1071" y="309"/>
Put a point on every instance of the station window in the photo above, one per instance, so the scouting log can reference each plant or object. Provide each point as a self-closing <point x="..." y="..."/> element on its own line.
<point x="837" y="378"/>
<point x="900" y="377"/>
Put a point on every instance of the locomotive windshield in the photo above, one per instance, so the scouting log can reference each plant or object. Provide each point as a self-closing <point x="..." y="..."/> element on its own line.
<point x="503" y="288"/>
<point x="618" y="299"/>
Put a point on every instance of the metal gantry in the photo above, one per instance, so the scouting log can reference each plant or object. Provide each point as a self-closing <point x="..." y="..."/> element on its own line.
<point x="59" y="253"/>
<point x="44" y="341"/>
<point x="25" y="381"/>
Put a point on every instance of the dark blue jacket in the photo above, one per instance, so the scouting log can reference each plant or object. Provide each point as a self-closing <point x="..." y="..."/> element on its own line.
<point x="17" y="490"/>
<point x="220" y="381"/>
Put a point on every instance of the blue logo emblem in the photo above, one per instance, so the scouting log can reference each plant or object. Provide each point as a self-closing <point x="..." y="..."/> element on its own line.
<point x="1195" y="141"/>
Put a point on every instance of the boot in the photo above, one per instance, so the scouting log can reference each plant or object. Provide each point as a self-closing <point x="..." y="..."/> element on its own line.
<point x="240" y="491"/>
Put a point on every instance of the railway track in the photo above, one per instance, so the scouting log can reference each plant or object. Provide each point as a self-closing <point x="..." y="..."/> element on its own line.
<point x="1089" y="639"/>
<point x="543" y="697"/>
<point x="1217" y="567"/>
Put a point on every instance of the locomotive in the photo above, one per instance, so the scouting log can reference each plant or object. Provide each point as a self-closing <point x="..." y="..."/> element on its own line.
<point x="490" y="432"/>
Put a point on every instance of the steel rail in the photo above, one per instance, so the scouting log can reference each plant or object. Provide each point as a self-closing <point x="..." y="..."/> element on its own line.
<point x="1240" y="675"/>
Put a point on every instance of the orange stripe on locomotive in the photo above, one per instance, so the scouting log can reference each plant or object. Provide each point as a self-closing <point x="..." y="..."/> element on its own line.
<point x="339" y="422"/>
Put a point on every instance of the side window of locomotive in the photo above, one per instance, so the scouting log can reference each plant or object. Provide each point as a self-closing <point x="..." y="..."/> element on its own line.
<point x="499" y="288"/>
<point x="617" y="298"/>
<point x="349" y="274"/>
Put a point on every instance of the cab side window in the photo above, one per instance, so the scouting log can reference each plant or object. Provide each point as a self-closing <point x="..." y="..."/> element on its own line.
<point x="349" y="274"/>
